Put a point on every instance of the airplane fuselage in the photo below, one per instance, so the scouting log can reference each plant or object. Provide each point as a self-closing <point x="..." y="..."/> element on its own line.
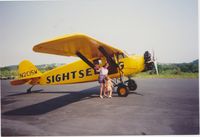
<point x="79" y="71"/>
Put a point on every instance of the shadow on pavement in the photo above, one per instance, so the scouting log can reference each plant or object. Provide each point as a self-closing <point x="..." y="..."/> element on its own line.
<point x="55" y="103"/>
<point x="136" y="93"/>
<point x="25" y="93"/>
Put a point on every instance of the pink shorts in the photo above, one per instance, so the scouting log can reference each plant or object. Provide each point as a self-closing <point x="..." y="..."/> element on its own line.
<point x="101" y="79"/>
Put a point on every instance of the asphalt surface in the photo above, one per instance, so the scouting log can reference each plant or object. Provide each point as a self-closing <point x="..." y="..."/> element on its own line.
<point x="157" y="107"/>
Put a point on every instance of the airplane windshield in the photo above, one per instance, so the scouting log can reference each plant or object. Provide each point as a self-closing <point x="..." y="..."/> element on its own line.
<point x="125" y="53"/>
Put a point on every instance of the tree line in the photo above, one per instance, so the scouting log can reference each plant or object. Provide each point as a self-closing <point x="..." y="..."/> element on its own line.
<point x="178" y="68"/>
<point x="173" y="68"/>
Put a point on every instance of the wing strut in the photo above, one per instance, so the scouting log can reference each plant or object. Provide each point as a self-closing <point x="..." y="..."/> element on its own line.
<point x="108" y="57"/>
<point x="113" y="65"/>
<point x="85" y="59"/>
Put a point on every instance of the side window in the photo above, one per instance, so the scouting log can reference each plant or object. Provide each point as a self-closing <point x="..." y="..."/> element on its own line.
<point x="97" y="61"/>
<point x="120" y="56"/>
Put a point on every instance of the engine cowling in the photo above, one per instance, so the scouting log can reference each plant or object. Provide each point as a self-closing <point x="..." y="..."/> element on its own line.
<point x="149" y="65"/>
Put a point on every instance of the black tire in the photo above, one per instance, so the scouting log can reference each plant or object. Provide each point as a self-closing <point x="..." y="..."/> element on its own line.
<point x="132" y="85"/>
<point x="122" y="90"/>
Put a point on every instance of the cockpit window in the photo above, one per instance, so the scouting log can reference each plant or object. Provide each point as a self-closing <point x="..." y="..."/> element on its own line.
<point x="97" y="61"/>
<point x="121" y="55"/>
<point x="125" y="54"/>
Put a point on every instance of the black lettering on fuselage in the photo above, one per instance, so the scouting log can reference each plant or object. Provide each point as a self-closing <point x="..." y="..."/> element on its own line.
<point x="96" y="72"/>
<point x="53" y="78"/>
<point x="73" y="74"/>
<point x="65" y="76"/>
<point x="81" y="74"/>
<point x="28" y="73"/>
<point x="58" y="78"/>
<point x="48" y="79"/>
<point x="88" y="72"/>
<point x="70" y="75"/>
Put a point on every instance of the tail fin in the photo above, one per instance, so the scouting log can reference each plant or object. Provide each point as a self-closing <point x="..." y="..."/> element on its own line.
<point x="27" y="73"/>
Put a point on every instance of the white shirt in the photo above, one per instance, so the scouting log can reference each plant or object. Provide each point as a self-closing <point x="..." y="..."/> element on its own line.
<point x="103" y="71"/>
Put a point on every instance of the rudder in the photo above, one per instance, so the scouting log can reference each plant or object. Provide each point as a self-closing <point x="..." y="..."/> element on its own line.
<point x="27" y="73"/>
<point x="27" y="70"/>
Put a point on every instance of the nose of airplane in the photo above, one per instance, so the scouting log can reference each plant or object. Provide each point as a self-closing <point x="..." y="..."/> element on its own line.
<point x="136" y="63"/>
<point x="150" y="62"/>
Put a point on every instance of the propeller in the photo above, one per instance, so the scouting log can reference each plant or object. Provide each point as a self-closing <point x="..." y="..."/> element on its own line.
<point x="155" y="62"/>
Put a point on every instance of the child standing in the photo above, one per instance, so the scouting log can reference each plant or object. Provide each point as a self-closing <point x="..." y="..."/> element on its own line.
<point x="103" y="72"/>
<point x="108" y="86"/>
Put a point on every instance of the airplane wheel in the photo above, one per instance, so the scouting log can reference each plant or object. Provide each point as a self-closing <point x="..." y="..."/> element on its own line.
<point x="132" y="85"/>
<point x="122" y="90"/>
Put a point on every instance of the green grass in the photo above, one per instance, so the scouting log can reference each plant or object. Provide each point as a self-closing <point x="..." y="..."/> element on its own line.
<point x="168" y="74"/>
<point x="165" y="75"/>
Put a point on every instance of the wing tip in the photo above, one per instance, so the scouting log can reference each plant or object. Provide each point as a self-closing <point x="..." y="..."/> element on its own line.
<point x="34" y="48"/>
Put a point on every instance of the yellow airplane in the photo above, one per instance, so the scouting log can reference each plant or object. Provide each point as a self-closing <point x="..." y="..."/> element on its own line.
<point x="91" y="53"/>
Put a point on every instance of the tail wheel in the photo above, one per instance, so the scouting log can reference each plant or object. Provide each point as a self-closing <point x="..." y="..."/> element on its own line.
<point x="132" y="85"/>
<point x="122" y="90"/>
<point x="29" y="89"/>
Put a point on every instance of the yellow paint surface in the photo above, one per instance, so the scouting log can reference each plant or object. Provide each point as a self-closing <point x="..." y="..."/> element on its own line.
<point x="78" y="71"/>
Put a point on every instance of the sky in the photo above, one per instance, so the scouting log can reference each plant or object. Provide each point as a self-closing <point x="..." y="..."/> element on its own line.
<point x="169" y="27"/>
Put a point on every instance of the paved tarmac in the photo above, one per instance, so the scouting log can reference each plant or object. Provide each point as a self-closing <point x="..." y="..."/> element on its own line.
<point x="157" y="107"/>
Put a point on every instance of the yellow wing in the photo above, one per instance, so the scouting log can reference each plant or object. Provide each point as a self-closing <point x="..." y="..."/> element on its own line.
<point x="69" y="45"/>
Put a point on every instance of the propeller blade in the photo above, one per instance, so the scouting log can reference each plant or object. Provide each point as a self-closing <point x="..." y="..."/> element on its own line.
<point x="155" y="62"/>
<point x="153" y="55"/>
<point x="156" y="66"/>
